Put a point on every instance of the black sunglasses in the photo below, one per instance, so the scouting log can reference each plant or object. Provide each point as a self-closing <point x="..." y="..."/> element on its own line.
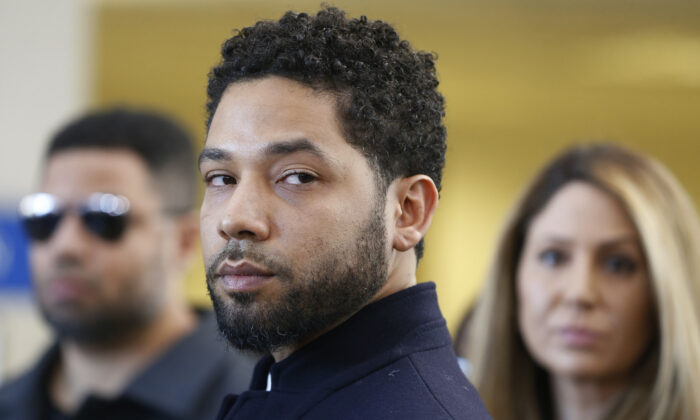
<point x="105" y="215"/>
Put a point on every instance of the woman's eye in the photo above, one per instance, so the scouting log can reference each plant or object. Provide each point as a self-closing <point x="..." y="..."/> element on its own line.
<point x="552" y="257"/>
<point x="298" y="178"/>
<point x="618" y="264"/>
<point x="221" y="180"/>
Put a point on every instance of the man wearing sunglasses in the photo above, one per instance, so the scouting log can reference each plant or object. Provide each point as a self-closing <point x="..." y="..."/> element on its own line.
<point x="322" y="164"/>
<point x="112" y="230"/>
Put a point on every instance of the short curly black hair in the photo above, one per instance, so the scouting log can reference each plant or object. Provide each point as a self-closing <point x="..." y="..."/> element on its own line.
<point x="388" y="101"/>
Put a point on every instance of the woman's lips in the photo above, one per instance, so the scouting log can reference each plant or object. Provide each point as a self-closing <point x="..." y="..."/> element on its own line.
<point x="579" y="337"/>
<point x="243" y="277"/>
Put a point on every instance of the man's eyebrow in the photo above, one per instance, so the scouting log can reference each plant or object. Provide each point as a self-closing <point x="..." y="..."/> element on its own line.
<point x="274" y="149"/>
<point x="293" y="146"/>
<point x="213" y="153"/>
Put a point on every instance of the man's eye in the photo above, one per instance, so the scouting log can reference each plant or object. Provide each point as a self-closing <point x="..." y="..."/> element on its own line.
<point x="298" y="178"/>
<point x="220" y="180"/>
<point x="552" y="257"/>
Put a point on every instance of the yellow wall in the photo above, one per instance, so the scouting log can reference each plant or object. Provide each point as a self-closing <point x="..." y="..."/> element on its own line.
<point x="521" y="82"/>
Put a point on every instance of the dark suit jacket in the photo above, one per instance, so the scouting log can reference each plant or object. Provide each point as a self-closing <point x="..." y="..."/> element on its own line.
<point x="187" y="382"/>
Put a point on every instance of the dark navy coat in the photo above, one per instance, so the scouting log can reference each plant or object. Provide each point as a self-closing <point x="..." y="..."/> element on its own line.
<point x="391" y="360"/>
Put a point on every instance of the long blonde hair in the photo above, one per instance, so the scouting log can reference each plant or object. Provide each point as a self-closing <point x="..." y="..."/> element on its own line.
<point x="666" y="385"/>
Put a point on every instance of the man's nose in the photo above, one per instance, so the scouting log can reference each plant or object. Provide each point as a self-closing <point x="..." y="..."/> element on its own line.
<point x="247" y="212"/>
<point x="70" y="238"/>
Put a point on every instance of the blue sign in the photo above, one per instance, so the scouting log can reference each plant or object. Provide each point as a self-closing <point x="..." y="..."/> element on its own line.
<point x="14" y="244"/>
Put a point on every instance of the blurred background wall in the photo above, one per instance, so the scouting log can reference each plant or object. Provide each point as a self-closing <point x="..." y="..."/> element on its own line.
<point x="521" y="81"/>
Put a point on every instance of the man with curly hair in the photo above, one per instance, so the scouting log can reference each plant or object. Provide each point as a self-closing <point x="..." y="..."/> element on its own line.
<point x="322" y="165"/>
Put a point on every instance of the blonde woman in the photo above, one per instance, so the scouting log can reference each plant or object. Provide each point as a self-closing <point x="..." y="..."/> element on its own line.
<point x="591" y="309"/>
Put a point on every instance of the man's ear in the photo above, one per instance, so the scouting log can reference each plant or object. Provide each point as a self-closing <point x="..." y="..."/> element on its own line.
<point x="417" y="200"/>
<point x="188" y="235"/>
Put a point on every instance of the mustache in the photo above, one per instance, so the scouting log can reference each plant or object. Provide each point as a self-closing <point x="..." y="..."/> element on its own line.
<point x="239" y="250"/>
<point x="68" y="266"/>
<point x="67" y="263"/>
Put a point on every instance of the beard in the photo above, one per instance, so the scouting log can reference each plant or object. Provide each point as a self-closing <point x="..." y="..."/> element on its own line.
<point x="341" y="281"/>
<point x="102" y="327"/>
<point x="100" y="323"/>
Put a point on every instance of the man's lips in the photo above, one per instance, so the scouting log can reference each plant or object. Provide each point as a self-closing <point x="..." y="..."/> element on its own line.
<point x="243" y="276"/>
<point x="67" y="288"/>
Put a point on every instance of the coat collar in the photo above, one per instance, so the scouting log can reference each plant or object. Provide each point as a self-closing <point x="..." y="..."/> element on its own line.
<point x="174" y="382"/>
<point x="402" y="323"/>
